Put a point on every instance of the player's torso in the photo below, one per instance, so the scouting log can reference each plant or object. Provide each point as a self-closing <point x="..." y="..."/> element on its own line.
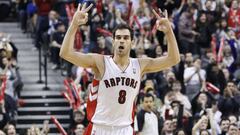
<point x="116" y="94"/>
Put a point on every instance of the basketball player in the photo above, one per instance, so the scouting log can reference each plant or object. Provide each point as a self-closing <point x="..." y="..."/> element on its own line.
<point x="117" y="77"/>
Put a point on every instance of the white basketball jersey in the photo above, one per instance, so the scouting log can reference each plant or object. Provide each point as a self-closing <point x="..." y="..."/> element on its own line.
<point x="111" y="100"/>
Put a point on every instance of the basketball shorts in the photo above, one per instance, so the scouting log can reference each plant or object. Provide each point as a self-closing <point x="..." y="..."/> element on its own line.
<point x="94" y="129"/>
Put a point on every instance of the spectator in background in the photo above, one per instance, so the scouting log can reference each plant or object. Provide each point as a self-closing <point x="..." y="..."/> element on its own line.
<point x="53" y="18"/>
<point x="194" y="78"/>
<point x="57" y="39"/>
<point x="101" y="47"/>
<point x="10" y="129"/>
<point x="234" y="17"/>
<point x="176" y="87"/>
<point x="79" y="130"/>
<point x="43" y="9"/>
<point x="22" y="8"/>
<point x="201" y="102"/>
<point x="216" y="76"/>
<point x="167" y="127"/>
<point x="201" y="127"/>
<point x="224" y="125"/>
<point x="233" y="130"/>
<point x="186" y="32"/>
<point x="229" y="102"/>
<point x="147" y="120"/>
<point x="204" y="37"/>
<point x="211" y="14"/>
<point x="180" y="132"/>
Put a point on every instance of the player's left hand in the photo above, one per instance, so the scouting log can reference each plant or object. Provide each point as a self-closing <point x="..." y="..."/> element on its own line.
<point x="162" y="23"/>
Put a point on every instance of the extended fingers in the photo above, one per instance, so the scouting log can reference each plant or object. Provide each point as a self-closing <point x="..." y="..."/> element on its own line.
<point x="88" y="8"/>
<point x="83" y="7"/>
<point x="79" y="5"/>
<point x="165" y="13"/>
<point x="156" y="14"/>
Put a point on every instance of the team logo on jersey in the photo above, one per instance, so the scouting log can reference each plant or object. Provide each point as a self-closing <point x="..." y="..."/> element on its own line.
<point x="124" y="81"/>
<point x="134" y="70"/>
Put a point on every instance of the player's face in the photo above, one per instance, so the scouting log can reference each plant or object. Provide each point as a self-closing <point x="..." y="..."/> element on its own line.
<point x="122" y="42"/>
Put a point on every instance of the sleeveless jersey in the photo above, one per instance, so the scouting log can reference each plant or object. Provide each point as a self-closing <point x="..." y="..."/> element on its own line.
<point x="111" y="100"/>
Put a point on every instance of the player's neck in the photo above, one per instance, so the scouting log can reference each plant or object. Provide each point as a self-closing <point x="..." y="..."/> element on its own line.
<point x="122" y="61"/>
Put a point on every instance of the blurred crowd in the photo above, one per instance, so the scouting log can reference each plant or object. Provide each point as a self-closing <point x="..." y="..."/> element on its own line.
<point x="199" y="96"/>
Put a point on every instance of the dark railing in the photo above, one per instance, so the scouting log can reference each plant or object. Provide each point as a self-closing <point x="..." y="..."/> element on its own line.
<point x="43" y="52"/>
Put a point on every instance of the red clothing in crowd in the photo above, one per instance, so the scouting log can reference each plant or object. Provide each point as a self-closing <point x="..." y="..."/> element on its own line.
<point x="44" y="6"/>
<point x="234" y="20"/>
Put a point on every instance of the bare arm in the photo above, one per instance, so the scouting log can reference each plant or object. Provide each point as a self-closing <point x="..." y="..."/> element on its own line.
<point x="67" y="51"/>
<point x="157" y="64"/>
<point x="197" y="125"/>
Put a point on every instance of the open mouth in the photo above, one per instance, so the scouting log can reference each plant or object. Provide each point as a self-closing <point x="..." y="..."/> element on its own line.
<point x="120" y="47"/>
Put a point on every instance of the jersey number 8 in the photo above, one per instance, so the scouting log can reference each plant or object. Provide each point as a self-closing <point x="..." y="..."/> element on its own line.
<point x="122" y="96"/>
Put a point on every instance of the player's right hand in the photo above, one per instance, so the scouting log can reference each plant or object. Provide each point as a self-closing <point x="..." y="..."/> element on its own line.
<point x="81" y="16"/>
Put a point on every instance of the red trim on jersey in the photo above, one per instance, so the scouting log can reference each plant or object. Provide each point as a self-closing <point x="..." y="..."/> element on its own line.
<point x="92" y="105"/>
<point x="95" y="82"/>
<point x="88" y="130"/>
<point x="93" y="93"/>
<point x="133" y="111"/>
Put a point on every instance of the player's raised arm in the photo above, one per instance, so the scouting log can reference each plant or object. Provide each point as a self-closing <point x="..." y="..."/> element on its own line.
<point x="173" y="57"/>
<point x="67" y="51"/>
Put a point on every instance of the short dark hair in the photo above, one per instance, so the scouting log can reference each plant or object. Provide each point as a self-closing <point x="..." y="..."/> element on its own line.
<point x="224" y="119"/>
<point x="232" y="124"/>
<point x="123" y="26"/>
<point x="147" y="95"/>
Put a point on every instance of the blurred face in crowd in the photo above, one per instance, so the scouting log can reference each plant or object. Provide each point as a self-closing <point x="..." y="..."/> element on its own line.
<point x="203" y="18"/>
<point x="5" y="60"/>
<point x="148" y="103"/>
<point x="204" y="124"/>
<point x="101" y="42"/>
<point x="233" y="119"/>
<point x="233" y="130"/>
<point x="176" y="86"/>
<point x="52" y="15"/>
<point x="79" y="116"/>
<point x="62" y="28"/>
<point x="79" y="129"/>
<point x="122" y="42"/>
<point x="197" y="63"/>
<point x="234" y="4"/>
<point x="170" y="77"/>
<point x="231" y="86"/>
<point x="224" y="125"/>
<point x="181" y="132"/>
<point x="188" y="58"/>
<point x="149" y="83"/>
<point x="202" y="98"/>
<point x="227" y="51"/>
<point x="171" y="96"/>
<point x="167" y="126"/>
<point x="174" y="124"/>
<point x="204" y="132"/>
<point x="208" y="4"/>
<point x="159" y="51"/>
<point x="223" y="23"/>
<point x="11" y="130"/>
<point x="215" y="69"/>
